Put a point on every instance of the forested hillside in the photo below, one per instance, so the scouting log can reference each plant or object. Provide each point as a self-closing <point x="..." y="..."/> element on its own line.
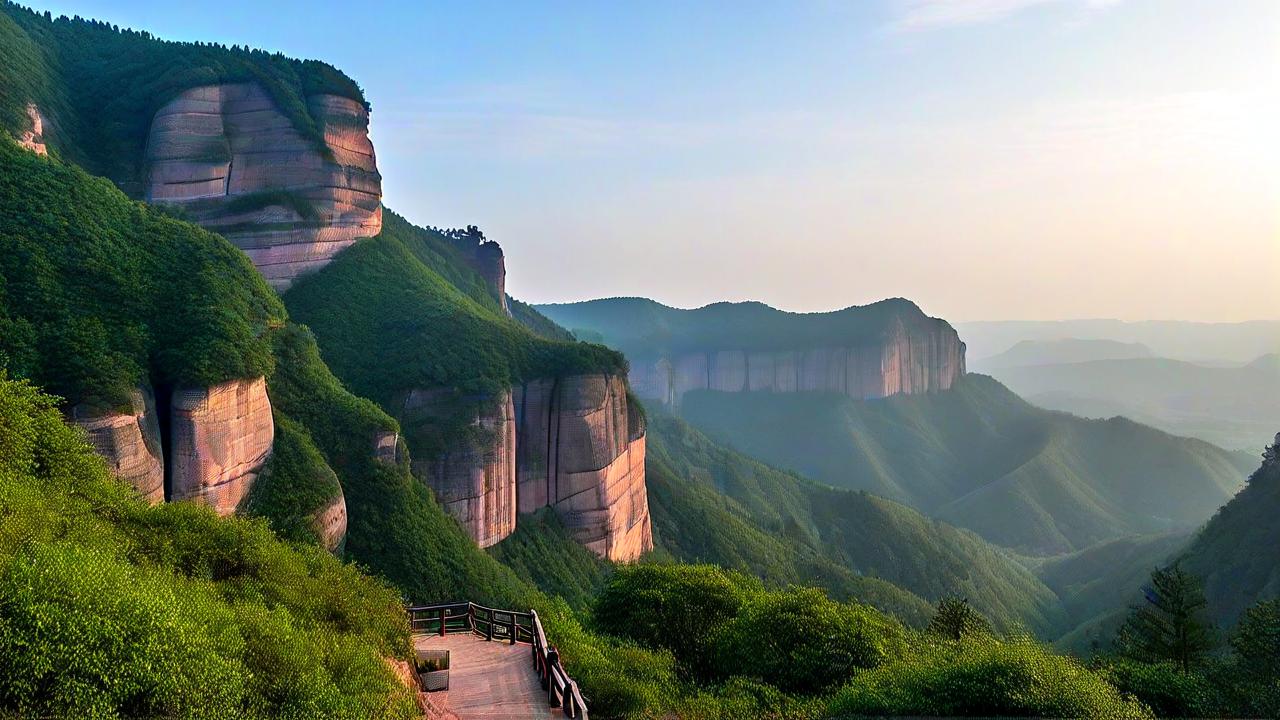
<point x="980" y="457"/>
<point x="1235" y="553"/>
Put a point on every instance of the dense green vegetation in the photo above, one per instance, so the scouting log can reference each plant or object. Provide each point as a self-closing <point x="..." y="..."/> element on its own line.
<point x="828" y="659"/>
<point x="390" y="320"/>
<point x="100" y="85"/>
<point x="1235" y="553"/>
<point x="642" y="328"/>
<point x="111" y="608"/>
<point x="712" y="504"/>
<point x="295" y="483"/>
<point x="543" y="553"/>
<point x="979" y="457"/>
<point x="1170" y="656"/>
<point x="100" y="295"/>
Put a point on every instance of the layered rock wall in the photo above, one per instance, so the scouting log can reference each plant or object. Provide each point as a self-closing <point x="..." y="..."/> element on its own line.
<point x="580" y="450"/>
<point x="129" y="442"/>
<point x="330" y="523"/>
<point x="902" y="360"/>
<point x="220" y="438"/>
<point x="475" y="480"/>
<point x="238" y="166"/>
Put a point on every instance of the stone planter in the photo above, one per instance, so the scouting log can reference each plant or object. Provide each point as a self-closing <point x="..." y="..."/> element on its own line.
<point x="432" y="667"/>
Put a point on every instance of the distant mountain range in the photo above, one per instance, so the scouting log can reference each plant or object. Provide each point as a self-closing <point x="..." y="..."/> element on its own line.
<point x="1067" y="350"/>
<point x="1193" y="341"/>
<point x="1234" y="407"/>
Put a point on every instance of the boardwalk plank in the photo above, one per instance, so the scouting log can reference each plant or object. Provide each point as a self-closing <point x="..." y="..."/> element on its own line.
<point x="489" y="680"/>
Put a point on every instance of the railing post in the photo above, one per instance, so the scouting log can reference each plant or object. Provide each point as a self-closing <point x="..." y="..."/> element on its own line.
<point x="488" y="630"/>
<point x="513" y="628"/>
<point x="553" y="659"/>
<point x="443" y="630"/>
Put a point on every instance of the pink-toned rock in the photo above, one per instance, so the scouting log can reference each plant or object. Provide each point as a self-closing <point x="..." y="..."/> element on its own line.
<point x="580" y="449"/>
<point x="330" y="523"/>
<point x="240" y="168"/>
<point x="220" y="438"/>
<point x="33" y="139"/>
<point x="386" y="447"/>
<point x="901" y="360"/>
<point x="475" y="480"/>
<point x="130" y="443"/>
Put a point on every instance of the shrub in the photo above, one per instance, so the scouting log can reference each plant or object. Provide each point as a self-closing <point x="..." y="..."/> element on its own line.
<point x="980" y="676"/>
<point x="1166" y="689"/>
<point x="673" y="607"/>
<point x="802" y="641"/>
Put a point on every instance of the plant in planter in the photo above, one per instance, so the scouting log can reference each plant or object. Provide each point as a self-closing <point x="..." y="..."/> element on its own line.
<point x="433" y="669"/>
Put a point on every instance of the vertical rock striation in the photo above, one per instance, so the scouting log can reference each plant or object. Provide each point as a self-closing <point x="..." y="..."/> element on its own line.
<point x="33" y="139"/>
<point x="238" y="166"/>
<point x="475" y="480"/>
<point x="220" y="438"/>
<point x="902" y="360"/>
<point x="129" y="442"/>
<point x="580" y="449"/>
<point x="330" y="523"/>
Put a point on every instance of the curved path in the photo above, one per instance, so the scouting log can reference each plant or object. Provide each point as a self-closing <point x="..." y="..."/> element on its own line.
<point x="488" y="679"/>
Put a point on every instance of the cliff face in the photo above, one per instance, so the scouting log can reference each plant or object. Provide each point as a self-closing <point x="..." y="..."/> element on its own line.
<point x="330" y="523"/>
<point x="220" y="438"/>
<point x="580" y="450"/>
<point x="902" y="360"/>
<point x="130" y="443"/>
<point x="475" y="480"/>
<point x="33" y="139"/>
<point x="237" y="166"/>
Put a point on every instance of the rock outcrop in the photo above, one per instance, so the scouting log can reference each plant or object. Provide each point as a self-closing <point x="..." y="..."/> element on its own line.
<point x="901" y="360"/>
<point x="474" y="479"/>
<point x="238" y="166"/>
<point x="220" y="437"/>
<point x="129" y="442"/>
<point x="330" y="523"/>
<point x="580" y="449"/>
<point x="33" y="139"/>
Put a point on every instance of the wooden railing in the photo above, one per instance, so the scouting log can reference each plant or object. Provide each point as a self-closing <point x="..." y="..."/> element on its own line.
<point x="506" y="626"/>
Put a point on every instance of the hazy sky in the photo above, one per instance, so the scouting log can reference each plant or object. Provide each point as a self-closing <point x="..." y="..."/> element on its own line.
<point x="989" y="159"/>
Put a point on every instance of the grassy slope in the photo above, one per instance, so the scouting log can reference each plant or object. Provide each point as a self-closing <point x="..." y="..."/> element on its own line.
<point x="980" y="457"/>
<point x="1236" y="551"/>
<point x="712" y="504"/>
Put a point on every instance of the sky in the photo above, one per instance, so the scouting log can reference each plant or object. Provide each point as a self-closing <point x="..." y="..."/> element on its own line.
<point x="989" y="159"/>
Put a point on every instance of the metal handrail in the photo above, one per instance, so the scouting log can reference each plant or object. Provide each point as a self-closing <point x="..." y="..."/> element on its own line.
<point x="494" y="624"/>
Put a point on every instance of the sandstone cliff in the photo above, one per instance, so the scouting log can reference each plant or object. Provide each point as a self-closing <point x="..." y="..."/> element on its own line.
<point x="238" y="166"/>
<point x="901" y="362"/>
<point x="475" y="478"/>
<point x="330" y="523"/>
<point x="129" y="442"/>
<point x="33" y="138"/>
<point x="220" y="438"/>
<point x="580" y="450"/>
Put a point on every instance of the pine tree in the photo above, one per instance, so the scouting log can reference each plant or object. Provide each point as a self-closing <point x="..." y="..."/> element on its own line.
<point x="955" y="618"/>
<point x="1171" y="625"/>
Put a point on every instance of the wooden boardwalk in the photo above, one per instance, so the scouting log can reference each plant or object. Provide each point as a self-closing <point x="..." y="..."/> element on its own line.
<point x="488" y="680"/>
